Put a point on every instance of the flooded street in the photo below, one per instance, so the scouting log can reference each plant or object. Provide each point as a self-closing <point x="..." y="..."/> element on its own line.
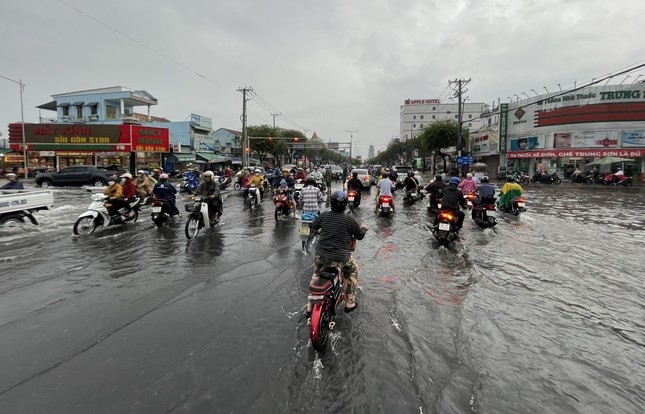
<point x="543" y="313"/>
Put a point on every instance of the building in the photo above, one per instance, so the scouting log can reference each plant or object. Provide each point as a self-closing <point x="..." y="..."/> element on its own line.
<point x="416" y="114"/>
<point x="370" y="152"/>
<point x="558" y="132"/>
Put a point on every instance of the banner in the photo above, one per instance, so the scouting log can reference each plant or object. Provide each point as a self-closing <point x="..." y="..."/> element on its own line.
<point x="525" y="143"/>
<point x="634" y="138"/>
<point x="503" y="126"/>
<point x="594" y="139"/>
<point x="562" y="140"/>
<point x="623" y="153"/>
<point x="481" y="144"/>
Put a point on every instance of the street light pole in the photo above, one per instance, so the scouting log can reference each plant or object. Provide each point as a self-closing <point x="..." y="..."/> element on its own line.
<point x="351" y="140"/>
<point x="22" y="121"/>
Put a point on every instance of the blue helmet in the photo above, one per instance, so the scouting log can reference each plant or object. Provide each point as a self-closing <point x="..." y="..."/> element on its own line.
<point x="454" y="180"/>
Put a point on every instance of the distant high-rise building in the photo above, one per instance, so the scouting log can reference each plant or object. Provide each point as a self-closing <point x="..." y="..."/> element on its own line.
<point x="370" y="152"/>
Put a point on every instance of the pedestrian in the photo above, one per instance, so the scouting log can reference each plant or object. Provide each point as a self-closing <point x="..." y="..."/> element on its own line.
<point x="13" y="183"/>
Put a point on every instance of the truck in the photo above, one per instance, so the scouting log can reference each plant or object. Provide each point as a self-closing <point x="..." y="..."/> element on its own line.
<point x="16" y="205"/>
<point x="77" y="175"/>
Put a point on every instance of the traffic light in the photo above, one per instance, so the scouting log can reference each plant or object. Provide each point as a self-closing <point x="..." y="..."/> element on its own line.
<point x="248" y="149"/>
<point x="295" y="139"/>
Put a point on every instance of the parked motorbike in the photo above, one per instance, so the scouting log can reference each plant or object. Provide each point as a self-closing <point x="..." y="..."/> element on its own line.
<point x="516" y="206"/>
<point x="282" y="206"/>
<point x="97" y="215"/>
<point x="485" y="214"/>
<point x="521" y="177"/>
<point x="612" y="179"/>
<point x="445" y="227"/>
<point x="307" y="235"/>
<point x="353" y="200"/>
<point x="546" y="178"/>
<point x="385" y="205"/>
<point x="326" y="296"/>
<point x="189" y="182"/>
<point x="198" y="217"/>
<point x="579" y="178"/>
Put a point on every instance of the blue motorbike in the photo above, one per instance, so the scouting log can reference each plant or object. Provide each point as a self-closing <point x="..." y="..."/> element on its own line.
<point x="189" y="182"/>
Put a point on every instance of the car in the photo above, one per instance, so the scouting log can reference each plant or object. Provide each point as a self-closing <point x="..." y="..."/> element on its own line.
<point x="363" y="175"/>
<point x="336" y="172"/>
<point x="401" y="172"/>
<point x="76" y="175"/>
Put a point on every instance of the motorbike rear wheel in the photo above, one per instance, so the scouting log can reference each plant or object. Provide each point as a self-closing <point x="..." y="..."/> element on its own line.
<point x="85" y="225"/>
<point x="319" y="339"/>
<point x="192" y="228"/>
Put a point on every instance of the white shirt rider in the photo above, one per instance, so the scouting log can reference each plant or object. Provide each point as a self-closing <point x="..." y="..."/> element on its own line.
<point x="385" y="187"/>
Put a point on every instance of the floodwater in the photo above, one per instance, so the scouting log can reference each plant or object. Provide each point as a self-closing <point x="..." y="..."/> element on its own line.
<point x="544" y="313"/>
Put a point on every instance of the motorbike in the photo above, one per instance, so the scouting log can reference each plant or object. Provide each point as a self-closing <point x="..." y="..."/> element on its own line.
<point x="307" y="236"/>
<point x="385" y="205"/>
<point x="412" y="196"/>
<point x="160" y="212"/>
<point x="445" y="227"/>
<point x="471" y="200"/>
<point x="297" y="190"/>
<point x="97" y="215"/>
<point x="198" y="217"/>
<point x="189" y="182"/>
<point x="579" y="178"/>
<point x="353" y="200"/>
<point x="326" y="296"/>
<point x="282" y="206"/>
<point x="224" y="182"/>
<point x="434" y="205"/>
<point x="516" y="206"/>
<point x="546" y="178"/>
<point x="252" y="197"/>
<point x="612" y="179"/>
<point x="485" y="214"/>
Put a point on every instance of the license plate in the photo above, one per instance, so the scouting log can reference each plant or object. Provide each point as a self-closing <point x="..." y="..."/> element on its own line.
<point x="521" y="204"/>
<point x="438" y="205"/>
<point x="491" y="213"/>
<point x="350" y="198"/>
<point x="315" y="297"/>
<point x="469" y="203"/>
<point x="413" y="194"/>
<point x="385" y="205"/>
<point x="156" y="209"/>
<point x="444" y="226"/>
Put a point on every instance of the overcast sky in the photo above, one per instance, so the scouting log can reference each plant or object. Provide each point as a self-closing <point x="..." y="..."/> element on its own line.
<point x="328" y="66"/>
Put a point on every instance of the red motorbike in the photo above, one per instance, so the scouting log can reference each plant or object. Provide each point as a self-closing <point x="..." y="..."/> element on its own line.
<point x="613" y="179"/>
<point x="326" y="296"/>
<point x="385" y="205"/>
<point x="353" y="200"/>
<point x="282" y="206"/>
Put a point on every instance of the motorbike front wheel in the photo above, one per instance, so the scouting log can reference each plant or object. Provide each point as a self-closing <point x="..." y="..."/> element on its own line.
<point x="278" y="214"/>
<point x="192" y="228"/>
<point x="557" y="180"/>
<point x="84" y="225"/>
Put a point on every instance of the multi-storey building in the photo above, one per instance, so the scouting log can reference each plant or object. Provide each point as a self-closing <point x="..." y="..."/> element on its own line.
<point x="416" y="114"/>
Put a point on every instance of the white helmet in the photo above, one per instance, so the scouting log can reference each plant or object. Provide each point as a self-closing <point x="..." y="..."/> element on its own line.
<point x="209" y="174"/>
<point x="126" y="175"/>
<point x="141" y="172"/>
<point x="257" y="171"/>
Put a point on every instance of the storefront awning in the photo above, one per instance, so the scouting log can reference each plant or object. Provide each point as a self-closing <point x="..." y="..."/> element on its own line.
<point x="184" y="157"/>
<point x="211" y="158"/>
<point x="91" y="103"/>
<point x="79" y="103"/>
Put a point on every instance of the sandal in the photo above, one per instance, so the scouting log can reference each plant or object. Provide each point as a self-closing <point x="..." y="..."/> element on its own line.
<point x="348" y="310"/>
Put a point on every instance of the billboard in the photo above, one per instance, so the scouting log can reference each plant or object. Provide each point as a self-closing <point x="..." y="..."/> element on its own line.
<point x="199" y="121"/>
<point x="526" y="143"/>
<point x="634" y="138"/>
<point x="594" y="139"/>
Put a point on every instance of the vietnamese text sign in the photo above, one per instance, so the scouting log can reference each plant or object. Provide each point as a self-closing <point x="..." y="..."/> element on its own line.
<point x="624" y="153"/>
<point x="594" y="139"/>
<point x="634" y="138"/>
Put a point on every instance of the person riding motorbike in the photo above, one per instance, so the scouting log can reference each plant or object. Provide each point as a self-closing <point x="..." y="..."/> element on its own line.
<point x="334" y="246"/>
<point x="114" y="193"/>
<point x="209" y="188"/>
<point x="618" y="176"/>
<point x="129" y="191"/>
<point x="300" y="175"/>
<point x="435" y="189"/>
<point x="468" y="185"/>
<point x="384" y="187"/>
<point x="287" y="182"/>
<point x="486" y="191"/>
<point x="452" y="200"/>
<point x="311" y="196"/>
<point x="166" y="192"/>
<point x="258" y="180"/>
<point x="355" y="184"/>
<point x="144" y="185"/>
<point x="410" y="183"/>
<point x="509" y="191"/>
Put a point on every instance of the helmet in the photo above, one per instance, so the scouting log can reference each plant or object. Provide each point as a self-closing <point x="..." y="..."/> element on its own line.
<point x="209" y="174"/>
<point x="387" y="170"/>
<point x="11" y="175"/>
<point x="110" y="179"/>
<point x="410" y="173"/>
<point x="469" y="175"/>
<point x="454" y="181"/>
<point x="141" y="172"/>
<point x="438" y="177"/>
<point x="163" y="176"/>
<point x="126" y="175"/>
<point x="285" y="170"/>
<point x="355" y="175"/>
<point x="299" y="169"/>
<point x="338" y="201"/>
<point x="311" y="181"/>
<point x="484" y="179"/>
<point x="257" y="171"/>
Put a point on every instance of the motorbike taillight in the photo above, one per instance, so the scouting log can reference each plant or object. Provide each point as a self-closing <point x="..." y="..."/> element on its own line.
<point x="156" y="203"/>
<point x="386" y="199"/>
<point x="520" y="199"/>
<point x="447" y="216"/>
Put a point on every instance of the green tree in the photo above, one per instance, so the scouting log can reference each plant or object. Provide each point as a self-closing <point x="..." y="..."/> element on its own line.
<point x="270" y="145"/>
<point x="437" y="138"/>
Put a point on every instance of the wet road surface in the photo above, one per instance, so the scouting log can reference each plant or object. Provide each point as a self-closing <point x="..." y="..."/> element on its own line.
<point x="542" y="314"/>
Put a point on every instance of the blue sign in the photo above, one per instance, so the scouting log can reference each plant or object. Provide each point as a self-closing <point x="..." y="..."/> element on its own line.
<point x="464" y="160"/>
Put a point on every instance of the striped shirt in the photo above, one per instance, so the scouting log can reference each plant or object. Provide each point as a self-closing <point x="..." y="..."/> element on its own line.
<point x="311" y="196"/>
<point x="336" y="232"/>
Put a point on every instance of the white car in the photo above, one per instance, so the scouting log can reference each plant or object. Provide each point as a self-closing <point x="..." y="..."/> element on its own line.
<point x="363" y="175"/>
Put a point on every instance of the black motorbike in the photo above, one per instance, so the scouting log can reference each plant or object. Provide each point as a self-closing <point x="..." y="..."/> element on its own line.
<point x="161" y="212"/>
<point x="516" y="206"/>
<point x="581" y="179"/>
<point x="445" y="227"/>
<point x="485" y="214"/>
<point x="546" y="178"/>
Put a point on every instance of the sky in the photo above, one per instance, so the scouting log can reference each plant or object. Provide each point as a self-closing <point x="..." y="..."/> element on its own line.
<point x="328" y="66"/>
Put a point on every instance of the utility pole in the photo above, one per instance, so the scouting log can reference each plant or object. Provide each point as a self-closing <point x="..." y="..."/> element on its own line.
<point x="351" y="140"/>
<point x="274" y="116"/>
<point x="461" y="83"/>
<point x="245" y="135"/>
